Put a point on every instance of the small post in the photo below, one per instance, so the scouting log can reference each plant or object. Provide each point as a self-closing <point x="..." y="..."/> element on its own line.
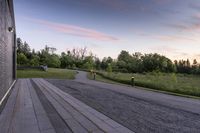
<point x="94" y="75"/>
<point x="132" y="81"/>
<point x="91" y="72"/>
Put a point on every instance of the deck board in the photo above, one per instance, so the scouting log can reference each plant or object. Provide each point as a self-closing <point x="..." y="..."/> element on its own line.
<point x="24" y="119"/>
<point x="36" y="106"/>
<point x="106" y="124"/>
<point x="80" y="120"/>
<point x="7" y="113"/>
<point x="74" y="125"/>
<point x="56" y="120"/>
<point x="42" y="118"/>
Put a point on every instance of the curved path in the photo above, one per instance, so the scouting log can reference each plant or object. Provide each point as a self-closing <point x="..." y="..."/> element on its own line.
<point x="139" y="110"/>
<point x="186" y="104"/>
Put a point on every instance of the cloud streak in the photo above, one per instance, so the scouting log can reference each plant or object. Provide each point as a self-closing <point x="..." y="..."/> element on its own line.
<point x="127" y="6"/>
<point x="174" y="38"/>
<point x="75" y="30"/>
<point x="193" y="26"/>
<point x="195" y="6"/>
<point x="164" y="48"/>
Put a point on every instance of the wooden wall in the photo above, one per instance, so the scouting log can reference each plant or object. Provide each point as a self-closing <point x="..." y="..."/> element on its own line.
<point x="7" y="46"/>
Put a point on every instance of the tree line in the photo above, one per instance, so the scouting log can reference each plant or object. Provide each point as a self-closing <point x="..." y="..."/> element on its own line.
<point x="81" y="58"/>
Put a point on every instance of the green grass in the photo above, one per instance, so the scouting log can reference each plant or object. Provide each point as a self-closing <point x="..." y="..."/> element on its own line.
<point x="175" y="83"/>
<point x="101" y="78"/>
<point x="50" y="73"/>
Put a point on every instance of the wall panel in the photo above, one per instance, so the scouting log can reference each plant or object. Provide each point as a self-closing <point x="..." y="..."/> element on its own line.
<point x="7" y="46"/>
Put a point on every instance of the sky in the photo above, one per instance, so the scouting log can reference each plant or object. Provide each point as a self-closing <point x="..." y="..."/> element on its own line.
<point x="105" y="27"/>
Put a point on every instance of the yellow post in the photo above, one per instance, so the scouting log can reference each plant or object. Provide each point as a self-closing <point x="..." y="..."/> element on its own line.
<point x="132" y="81"/>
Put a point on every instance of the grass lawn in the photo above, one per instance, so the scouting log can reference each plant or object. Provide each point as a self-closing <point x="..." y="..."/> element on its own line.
<point x="102" y="79"/>
<point x="175" y="83"/>
<point x="50" y="73"/>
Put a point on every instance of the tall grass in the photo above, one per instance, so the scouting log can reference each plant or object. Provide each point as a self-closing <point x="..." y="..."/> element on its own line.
<point x="177" y="83"/>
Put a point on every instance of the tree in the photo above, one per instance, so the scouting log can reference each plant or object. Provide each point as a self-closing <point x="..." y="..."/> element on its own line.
<point x="19" y="45"/>
<point x="88" y="62"/>
<point x="156" y="62"/>
<point x="26" y="50"/>
<point x="195" y="69"/>
<point x="53" y="61"/>
<point x="195" y="63"/>
<point x="21" y="59"/>
<point x="87" y="66"/>
<point x="105" y="62"/>
<point x="124" y="56"/>
<point x="83" y="52"/>
<point x="81" y="58"/>
<point x="66" y="60"/>
<point x="122" y="67"/>
<point x="97" y="63"/>
<point x="109" y="68"/>
<point x="183" y="66"/>
<point x="35" y="61"/>
<point x="52" y="50"/>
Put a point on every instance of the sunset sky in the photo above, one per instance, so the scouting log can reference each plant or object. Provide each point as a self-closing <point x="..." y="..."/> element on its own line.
<point x="168" y="27"/>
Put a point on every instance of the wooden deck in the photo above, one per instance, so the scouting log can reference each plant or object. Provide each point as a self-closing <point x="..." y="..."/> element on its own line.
<point x="36" y="106"/>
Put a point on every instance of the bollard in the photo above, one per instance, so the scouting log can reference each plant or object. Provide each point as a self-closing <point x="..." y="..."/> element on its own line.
<point x="91" y="72"/>
<point x="132" y="81"/>
<point x="94" y="76"/>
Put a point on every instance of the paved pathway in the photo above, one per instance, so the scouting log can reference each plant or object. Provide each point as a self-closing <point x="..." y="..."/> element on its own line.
<point x="187" y="104"/>
<point x="138" y="109"/>
<point x="36" y="106"/>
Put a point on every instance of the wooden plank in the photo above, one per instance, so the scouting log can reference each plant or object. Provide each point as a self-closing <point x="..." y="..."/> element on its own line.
<point x="104" y="123"/>
<point x="42" y="118"/>
<point x="56" y="120"/>
<point x="101" y="124"/>
<point x="24" y="119"/>
<point x="73" y="124"/>
<point x="76" y="115"/>
<point x="7" y="113"/>
<point x="73" y="102"/>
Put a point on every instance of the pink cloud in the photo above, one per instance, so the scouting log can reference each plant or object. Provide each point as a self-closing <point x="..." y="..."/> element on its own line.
<point x="75" y="30"/>
<point x="195" y="26"/>
<point x="173" y="38"/>
<point x="197" y="16"/>
<point x="164" y="48"/>
<point x="167" y="37"/>
<point x="192" y="25"/>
